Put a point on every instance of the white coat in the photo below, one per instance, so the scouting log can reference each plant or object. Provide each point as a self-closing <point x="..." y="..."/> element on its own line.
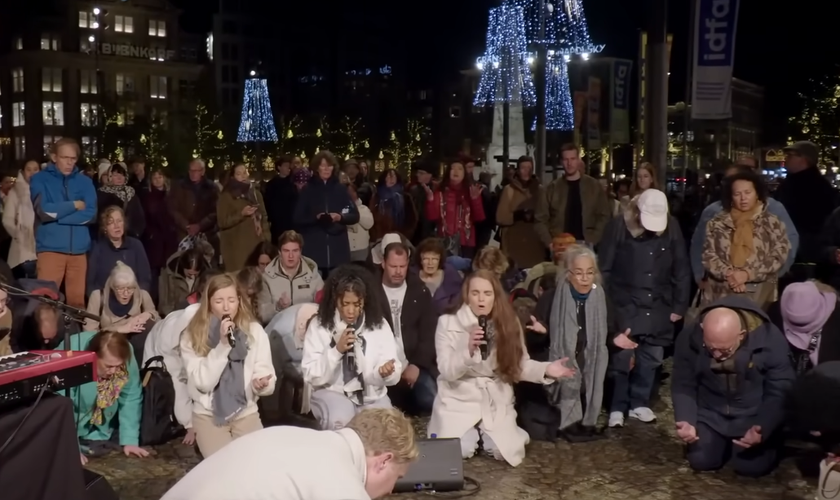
<point x="358" y="233"/>
<point x="469" y="391"/>
<point x="164" y="340"/>
<point x="280" y="463"/>
<point x="204" y="372"/>
<point x="19" y="222"/>
<point x="322" y="363"/>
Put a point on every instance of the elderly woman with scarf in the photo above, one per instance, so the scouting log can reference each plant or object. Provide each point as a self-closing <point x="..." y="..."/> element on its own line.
<point x="349" y="353"/>
<point x="455" y="207"/>
<point x="745" y="244"/>
<point x="228" y="364"/>
<point x="118" y="193"/>
<point x="577" y="329"/>
<point x="392" y="206"/>
<point x="243" y="222"/>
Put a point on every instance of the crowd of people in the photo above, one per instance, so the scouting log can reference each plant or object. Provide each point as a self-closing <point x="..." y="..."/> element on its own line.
<point x="357" y="297"/>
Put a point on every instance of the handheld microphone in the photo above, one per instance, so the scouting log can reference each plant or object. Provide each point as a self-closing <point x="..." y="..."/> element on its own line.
<point x="351" y="354"/>
<point x="482" y="323"/>
<point x="231" y="338"/>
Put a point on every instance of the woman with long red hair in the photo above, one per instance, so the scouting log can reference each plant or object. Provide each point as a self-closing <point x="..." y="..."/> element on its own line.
<point x="481" y="354"/>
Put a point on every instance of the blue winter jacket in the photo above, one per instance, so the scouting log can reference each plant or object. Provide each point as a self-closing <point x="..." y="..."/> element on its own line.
<point x="59" y="227"/>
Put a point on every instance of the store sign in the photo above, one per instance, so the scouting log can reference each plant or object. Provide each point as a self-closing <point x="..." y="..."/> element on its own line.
<point x="775" y="156"/>
<point x="126" y="50"/>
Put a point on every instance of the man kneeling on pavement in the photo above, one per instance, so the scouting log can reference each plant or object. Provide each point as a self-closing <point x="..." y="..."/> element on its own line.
<point x="731" y="373"/>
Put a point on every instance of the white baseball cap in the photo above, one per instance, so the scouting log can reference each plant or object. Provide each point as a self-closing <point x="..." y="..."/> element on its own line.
<point x="653" y="210"/>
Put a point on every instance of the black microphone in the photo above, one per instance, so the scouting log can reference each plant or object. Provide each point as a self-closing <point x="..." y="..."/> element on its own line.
<point x="482" y="323"/>
<point x="351" y="353"/>
<point x="231" y="338"/>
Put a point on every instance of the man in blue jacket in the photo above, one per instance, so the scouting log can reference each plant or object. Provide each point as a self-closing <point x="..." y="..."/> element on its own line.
<point x="65" y="203"/>
<point x="732" y="372"/>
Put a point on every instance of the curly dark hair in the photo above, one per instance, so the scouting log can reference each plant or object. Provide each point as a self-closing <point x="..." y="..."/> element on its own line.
<point x="742" y="175"/>
<point x="351" y="278"/>
<point x="381" y="180"/>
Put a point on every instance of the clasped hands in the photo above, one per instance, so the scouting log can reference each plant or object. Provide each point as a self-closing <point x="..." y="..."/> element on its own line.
<point x="737" y="280"/>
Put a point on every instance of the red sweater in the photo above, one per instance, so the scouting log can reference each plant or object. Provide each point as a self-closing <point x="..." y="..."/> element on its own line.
<point x="455" y="212"/>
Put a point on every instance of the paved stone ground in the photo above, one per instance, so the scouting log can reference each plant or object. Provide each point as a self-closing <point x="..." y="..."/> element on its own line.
<point x="641" y="461"/>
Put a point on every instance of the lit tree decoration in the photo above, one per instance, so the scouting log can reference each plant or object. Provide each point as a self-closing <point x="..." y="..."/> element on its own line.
<point x="574" y="31"/>
<point x="349" y="138"/>
<point x="257" y="121"/>
<point x="407" y="144"/>
<point x="559" y="112"/>
<point x="819" y="121"/>
<point x="505" y="75"/>
<point x="209" y="138"/>
<point x="153" y="143"/>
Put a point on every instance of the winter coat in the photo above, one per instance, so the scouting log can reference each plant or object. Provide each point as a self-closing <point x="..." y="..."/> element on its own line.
<point x="194" y="203"/>
<point x="550" y="211"/>
<point x="771" y="251"/>
<point x="59" y="227"/>
<point x="809" y="199"/>
<point x="104" y="257"/>
<point x="128" y="404"/>
<point x="455" y="212"/>
<point x="515" y="216"/>
<point x="238" y="235"/>
<point x="98" y="305"/>
<point x="469" y="391"/>
<point x="384" y="224"/>
<point x="300" y="288"/>
<point x="173" y="286"/>
<point x="359" y="233"/>
<point x="161" y="236"/>
<point x="752" y="394"/>
<point x="280" y="198"/>
<point x="19" y="222"/>
<point x="425" y="228"/>
<point x="829" y="243"/>
<point x="325" y="242"/>
<point x="449" y="292"/>
<point x="646" y="276"/>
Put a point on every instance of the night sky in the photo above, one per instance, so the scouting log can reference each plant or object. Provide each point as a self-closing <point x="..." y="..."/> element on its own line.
<point x="779" y="45"/>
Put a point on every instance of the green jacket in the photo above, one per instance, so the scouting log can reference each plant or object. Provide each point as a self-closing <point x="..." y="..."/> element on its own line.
<point x="129" y="402"/>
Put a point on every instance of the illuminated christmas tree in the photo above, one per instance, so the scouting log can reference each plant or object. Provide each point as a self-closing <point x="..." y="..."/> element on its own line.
<point x="505" y="74"/>
<point x="257" y="121"/>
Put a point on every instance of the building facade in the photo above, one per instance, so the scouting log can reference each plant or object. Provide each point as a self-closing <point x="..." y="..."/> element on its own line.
<point x="68" y="66"/>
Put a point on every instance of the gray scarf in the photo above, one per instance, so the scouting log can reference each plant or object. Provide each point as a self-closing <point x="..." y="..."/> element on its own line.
<point x="229" y="395"/>
<point x="566" y="393"/>
<point x="352" y="367"/>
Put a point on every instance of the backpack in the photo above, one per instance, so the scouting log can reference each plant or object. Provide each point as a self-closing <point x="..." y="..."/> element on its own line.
<point x="158" y="424"/>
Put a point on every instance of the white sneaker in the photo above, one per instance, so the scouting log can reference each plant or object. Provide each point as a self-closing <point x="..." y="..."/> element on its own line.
<point x="616" y="419"/>
<point x="643" y="414"/>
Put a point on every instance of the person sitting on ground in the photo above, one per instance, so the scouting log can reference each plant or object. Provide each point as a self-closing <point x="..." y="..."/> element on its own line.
<point x="475" y="386"/>
<point x="179" y="278"/>
<point x="349" y="353"/>
<point x="364" y="461"/>
<point x="123" y="307"/>
<point x="439" y="275"/>
<point x="559" y="244"/>
<point x="262" y="256"/>
<point x="494" y="260"/>
<point x="250" y="281"/>
<point x="731" y="374"/>
<point x="290" y="278"/>
<point x="112" y="403"/>
<point x="811" y="324"/>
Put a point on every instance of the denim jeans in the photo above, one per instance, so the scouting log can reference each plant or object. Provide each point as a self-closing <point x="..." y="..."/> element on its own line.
<point x="424" y="392"/>
<point x="632" y="389"/>
<point x="26" y="270"/>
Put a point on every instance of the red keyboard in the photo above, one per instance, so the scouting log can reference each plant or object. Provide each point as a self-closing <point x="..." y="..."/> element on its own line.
<point x="23" y="375"/>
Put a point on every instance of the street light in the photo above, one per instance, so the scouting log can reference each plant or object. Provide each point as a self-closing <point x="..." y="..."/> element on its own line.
<point x="96" y="11"/>
<point x="91" y="39"/>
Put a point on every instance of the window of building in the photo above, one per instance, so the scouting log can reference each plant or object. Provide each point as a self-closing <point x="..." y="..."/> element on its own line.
<point x="161" y="116"/>
<point x="125" y="116"/>
<point x="157" y="28"/>
<point x="18" y="43"/>
<point x="90" y="146"/>
<point x="85" y="19"/>
<point x="125" y="83"/>
<point x="17" y="80"/>
<point x="18" y="114"/>
<point x="225" y="51"/>
<point x="49" y="42"/>
<point x="225" y="73"/>
<point x="53" y="113"/>
<point x="90" y="115"/>
<point x="51" y="80"/>
<point x="49" y="140"/>
<point x="124" y="24"/>
<point x="234" y="52"/>
<point x="455" y="112"/>
<point x="87" y="81"/>
<point x="20" y="148"/>
<point x="234" y="74"/>
<point x="157" y="87"/>
<point x="229" y="27"/>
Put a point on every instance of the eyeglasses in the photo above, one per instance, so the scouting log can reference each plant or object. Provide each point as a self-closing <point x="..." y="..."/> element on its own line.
<point x="582" y="274"/>
<point x="123" y="290"/>
<point x="722" y="353"/>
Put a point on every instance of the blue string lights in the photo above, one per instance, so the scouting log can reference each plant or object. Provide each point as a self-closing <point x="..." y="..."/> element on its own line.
<point x="257" y="121"/>
<point x="505" y="71"/>
<point x="559" y="112"/>
<point x="574" y="32"/>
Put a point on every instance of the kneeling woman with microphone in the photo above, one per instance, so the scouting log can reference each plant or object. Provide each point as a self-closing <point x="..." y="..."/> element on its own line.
<point x="228" y="363"/>
<point x="349" y="352"/>
<point x="481" y="354"/>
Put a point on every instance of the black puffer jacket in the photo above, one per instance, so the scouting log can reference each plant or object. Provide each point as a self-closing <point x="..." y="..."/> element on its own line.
<point x="325" y="243"/>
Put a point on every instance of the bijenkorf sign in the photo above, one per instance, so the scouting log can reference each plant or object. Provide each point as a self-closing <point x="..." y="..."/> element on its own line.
<point x="714" y="56"/>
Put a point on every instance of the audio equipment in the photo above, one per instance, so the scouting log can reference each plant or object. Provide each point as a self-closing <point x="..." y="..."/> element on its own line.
<point x="230" y="336"/>
<point x="438" y="468"/>
<point x="23" y="375"/>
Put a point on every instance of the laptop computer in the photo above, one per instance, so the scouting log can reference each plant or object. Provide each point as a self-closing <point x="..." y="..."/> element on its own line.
<point x="439" y="468"/>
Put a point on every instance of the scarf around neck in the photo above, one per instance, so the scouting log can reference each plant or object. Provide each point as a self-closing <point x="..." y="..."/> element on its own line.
<point x="229" y="396"/>
<point x="743" y="243"/>
<point x="107" y="392"/>
<point x="244" y="191"/>
<point x="117" y="308"/>
<point x="352" y="367"/>
<point x="392" y="203"/>
<point x="124" y="193"/>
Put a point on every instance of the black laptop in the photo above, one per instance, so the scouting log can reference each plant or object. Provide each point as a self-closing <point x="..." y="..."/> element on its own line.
<point x="438" y="468"/>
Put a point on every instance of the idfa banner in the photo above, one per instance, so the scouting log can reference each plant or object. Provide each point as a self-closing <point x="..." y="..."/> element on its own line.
<point x="714" y="56"/>
<point x="620" y="108"/>
<point x="593" y="117"/>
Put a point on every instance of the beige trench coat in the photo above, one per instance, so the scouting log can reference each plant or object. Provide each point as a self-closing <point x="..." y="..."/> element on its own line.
<point x="469" y="392"/>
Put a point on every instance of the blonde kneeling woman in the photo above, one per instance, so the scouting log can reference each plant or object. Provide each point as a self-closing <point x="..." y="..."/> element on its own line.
<point x="225" y="381"/>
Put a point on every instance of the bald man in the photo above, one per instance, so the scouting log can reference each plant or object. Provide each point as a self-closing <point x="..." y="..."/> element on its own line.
<point x="731" y="373"/>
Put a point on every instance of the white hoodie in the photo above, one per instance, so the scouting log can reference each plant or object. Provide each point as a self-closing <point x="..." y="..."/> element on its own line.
<point x="322" y="363"/>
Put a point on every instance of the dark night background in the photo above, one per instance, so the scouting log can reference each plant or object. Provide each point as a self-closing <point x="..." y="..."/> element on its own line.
<point x="779" y="45"/>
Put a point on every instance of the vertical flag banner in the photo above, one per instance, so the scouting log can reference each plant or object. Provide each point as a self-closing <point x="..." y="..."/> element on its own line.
<point x="580" y="100"/>
<point x="714" y="57"/>
<point x="620" y="106"/>
<point x="593" y="117"/>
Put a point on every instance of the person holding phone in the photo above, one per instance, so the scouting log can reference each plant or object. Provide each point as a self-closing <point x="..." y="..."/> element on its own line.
<point x="243" y="222"/>
<point x="349" y="352"/>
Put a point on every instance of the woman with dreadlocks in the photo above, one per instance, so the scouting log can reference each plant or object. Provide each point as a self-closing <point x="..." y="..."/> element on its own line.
<point x="349" y="352"/>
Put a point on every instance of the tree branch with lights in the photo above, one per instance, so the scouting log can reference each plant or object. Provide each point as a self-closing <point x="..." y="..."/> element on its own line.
<point x="819" y="120"/>
<point x="407" y="144"/>
<point x="349" y="139"/>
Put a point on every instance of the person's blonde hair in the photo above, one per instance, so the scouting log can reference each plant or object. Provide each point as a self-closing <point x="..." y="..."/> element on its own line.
<point x="491" y="259"/>
<point x="386" y="430"/>
<point x="122" y="275"/>
<point x="198" y="329"/>
<point x="106" y="216"/>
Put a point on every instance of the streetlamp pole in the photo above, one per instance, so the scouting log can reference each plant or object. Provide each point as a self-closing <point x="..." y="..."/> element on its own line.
<point x="542" y="64"/>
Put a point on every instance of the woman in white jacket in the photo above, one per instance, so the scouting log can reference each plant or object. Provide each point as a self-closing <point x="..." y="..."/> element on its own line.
<point x="19" y="222"/>
<point x="359" y="233"/>
<point x="475" y="386"/>
<point x="349" y="351"/>
<point x="225" y="378"/>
